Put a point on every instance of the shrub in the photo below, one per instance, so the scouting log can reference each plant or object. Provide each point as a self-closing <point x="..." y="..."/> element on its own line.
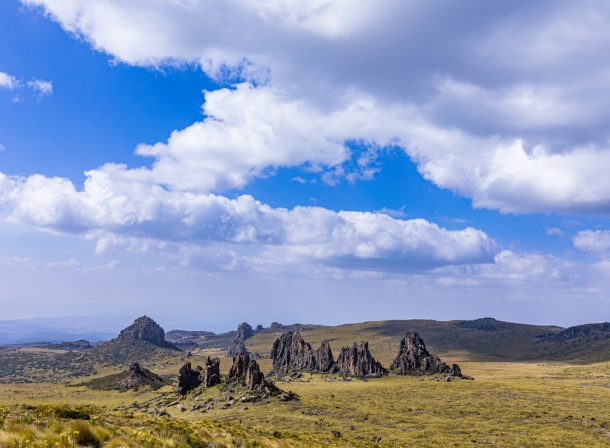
<point x="84" y="435"/>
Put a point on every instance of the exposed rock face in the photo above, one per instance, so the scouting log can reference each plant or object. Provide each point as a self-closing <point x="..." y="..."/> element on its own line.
<point x="238" y="344"/>
<point x="245" y="331"/>
<point x="325" y="363"/>
<point x="414" y="359"/>
<point x="211" y="372"/>
<point x="291" y="354"/>
<point x="254" y="376"/>
<point x="145" y="329"/>
<point x="143" y="340"/>
<point x="358" y="361"/>
<point x="247" y="372"/>
<point x="237" y="347"/>
<point x="188" y="379"/>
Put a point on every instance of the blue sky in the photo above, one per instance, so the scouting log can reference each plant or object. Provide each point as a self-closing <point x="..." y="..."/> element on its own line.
<point x="318" y="150"/>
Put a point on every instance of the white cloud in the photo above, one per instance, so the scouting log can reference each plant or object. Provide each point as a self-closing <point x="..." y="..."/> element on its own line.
<point x="504" y="104"/>
<point x="8" y="81"/>
<point x="149" y="214"/>
<point x="39" y="86"/>
<point x="597" y="241"/>
<point x="44" y="88"/>
<point x="247" y="130"/>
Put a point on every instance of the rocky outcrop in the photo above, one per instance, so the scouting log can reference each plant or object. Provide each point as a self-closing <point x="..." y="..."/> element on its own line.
<point x="414" y="359"/>
<point x="145" y="329"/>
<point x="208" y="376"/>
<point x="188" y="378"/>
<point x="291" y="354"/>
<point x="324" y="361"/>
<point x="244" y="331"/>
<point x="358" y="361"/>
<point x="247" y="372"/>
<point x="211" y="372"/>
<point x="133" y="378"/>
<point x="138" y="376"/>
<point x="144" y="340"/>
<point x="238" y="344"/>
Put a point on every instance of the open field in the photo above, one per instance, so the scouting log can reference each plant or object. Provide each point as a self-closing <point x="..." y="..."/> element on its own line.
<point x="508" y="404"/>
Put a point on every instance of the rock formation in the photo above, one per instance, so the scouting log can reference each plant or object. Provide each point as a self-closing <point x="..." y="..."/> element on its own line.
<point x="291" y="354"/>
<point x="414" y="359"/>
<point x="133" y="378"/>
<point x="211" y="372"/>
<point x="188" y="379"/>
<point x="247" y="372"/>
<point x="145" y="329"/>
<point x="143" y="340"/>
<point x="358" y="361"/>
<point x="276" y="326"/>
<point x="238" y="344"/>
<point x="138" y="376"/>
<point x="323" y="356"/>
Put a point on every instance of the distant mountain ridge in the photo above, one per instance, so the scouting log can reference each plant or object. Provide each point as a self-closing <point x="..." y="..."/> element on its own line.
<point x="141" y="340"/>
<point x="484" y="339"/>
<point x="579" y="331"/>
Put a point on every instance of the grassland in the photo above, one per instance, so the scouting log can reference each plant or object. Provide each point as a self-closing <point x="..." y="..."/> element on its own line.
<point x="508" y="404"/>
<point x="517" y="403"/>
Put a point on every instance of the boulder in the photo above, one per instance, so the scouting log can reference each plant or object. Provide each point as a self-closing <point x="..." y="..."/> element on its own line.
<point x="358" y="361"/>
<point x="188" y="378"/>
<point x="414" y="359"/>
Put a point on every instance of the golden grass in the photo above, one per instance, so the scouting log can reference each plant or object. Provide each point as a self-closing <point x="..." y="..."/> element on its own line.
<point x="508" y="404"/>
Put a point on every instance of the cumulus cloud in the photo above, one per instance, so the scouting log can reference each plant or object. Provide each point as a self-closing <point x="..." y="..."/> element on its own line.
<point x="595" y="241"/>
<point x="149" y="214"/>
<point x="504" y="102"/>
<point x="8" y="81"/>
<point x="40" y="87"/>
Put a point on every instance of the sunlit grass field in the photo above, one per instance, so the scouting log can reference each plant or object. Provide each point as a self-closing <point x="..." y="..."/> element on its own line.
<point x="508" y="404"/>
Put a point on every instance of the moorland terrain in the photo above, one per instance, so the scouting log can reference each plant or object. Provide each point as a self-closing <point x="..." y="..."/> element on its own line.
<point x="533" y="386"/>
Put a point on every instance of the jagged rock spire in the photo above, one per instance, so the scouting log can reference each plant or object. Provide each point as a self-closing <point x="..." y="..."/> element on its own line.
<point x="414" y="359"/>
<point x="358" y="361"/>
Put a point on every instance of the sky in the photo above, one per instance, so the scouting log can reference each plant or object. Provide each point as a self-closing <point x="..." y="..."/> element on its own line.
<point x="318" y="161"/>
